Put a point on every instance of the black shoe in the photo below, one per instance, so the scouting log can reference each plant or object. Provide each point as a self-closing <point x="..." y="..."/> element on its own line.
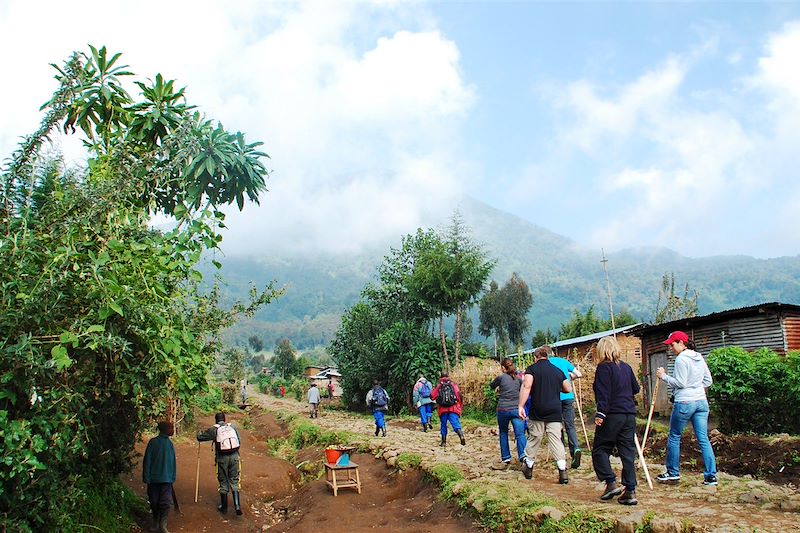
<point x="628" y="498"/>
<point x="377" y="430"/>
<point x="425" y="428"/>
<point x="711" y="481"/>
<point x="576" y="459"/>
<point x="612" y="490"/>
<point x="223" y="503"/>
<point x="563" y="477"/>
<point x="460" y="434"/>
<point x="527" y="471"/>
<point x="236" y="503"/>
<point x="444" y="442"/>
<point x="430" y="426"/>
<point x="668" y="478"/>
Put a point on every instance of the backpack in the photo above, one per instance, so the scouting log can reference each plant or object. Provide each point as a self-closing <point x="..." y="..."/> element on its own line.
<point x="227" y="439"/>
<point x="379" y="398"/>
<point x="425" y="390"/>
<point x="447" y="395"/>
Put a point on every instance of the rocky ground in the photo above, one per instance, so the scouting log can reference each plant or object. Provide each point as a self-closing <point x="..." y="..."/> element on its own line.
<point x="737" y="504"/>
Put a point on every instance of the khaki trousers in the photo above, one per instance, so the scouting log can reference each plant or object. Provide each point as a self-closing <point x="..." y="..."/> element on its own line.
<point x="538" y="429"/>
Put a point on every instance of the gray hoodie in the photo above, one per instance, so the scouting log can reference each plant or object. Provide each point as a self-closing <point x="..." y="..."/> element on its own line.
<point x="691" y="377"/>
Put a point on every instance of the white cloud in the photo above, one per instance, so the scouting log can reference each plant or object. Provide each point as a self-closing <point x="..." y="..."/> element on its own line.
<point x="358" y="104"/>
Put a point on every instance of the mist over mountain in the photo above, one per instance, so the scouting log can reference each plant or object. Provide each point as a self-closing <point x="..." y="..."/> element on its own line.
<point x="562" y="275"/>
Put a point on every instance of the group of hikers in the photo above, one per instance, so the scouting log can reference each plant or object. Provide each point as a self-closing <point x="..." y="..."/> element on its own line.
<point x="539" y="403"/>
<point x="536" y="403"/>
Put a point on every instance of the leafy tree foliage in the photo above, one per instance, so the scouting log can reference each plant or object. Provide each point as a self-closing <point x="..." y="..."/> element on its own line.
<point x="284" y="363"/>
<point x="542" y="337"/>
<point x="674" y="307"/>
<point x="255" y="342"/>
<point x="588" y="323"/>
<point x="503" y="312"/>
<point x="103" y="319"/>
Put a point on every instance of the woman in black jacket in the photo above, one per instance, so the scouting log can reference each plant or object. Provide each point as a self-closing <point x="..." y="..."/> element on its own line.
<point x="615" y="420"/>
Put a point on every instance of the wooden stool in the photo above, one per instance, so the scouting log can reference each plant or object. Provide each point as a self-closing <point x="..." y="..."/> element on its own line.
<point x="342" y="476"/>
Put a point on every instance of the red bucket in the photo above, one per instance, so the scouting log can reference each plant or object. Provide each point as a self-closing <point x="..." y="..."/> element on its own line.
<point x="332" y="455"/>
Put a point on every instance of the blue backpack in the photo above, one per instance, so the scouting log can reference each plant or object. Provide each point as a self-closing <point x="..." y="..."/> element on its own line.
<point x="425" y="390"/>
<point x="379" y="397"/>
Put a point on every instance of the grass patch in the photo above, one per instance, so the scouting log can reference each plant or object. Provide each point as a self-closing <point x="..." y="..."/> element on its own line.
<point x="446" y="476"/>
<point x="407" y="460"/>
<point x="646" y="525"/>
<point x="108" y="506"/>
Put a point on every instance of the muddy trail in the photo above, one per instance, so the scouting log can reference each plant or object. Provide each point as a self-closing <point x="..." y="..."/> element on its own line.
<point x="275" y="499"/>
<point x="739" y="503"/>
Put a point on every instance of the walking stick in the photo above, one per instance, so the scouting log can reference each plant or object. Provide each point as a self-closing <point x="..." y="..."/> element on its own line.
<point x="580" y="415"/>
<point x="197" y="475"/>
<point x="650" y="415"/>
<point x="641" y="459"/>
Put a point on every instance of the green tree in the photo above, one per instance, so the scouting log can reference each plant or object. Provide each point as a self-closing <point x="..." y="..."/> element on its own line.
<point x="284" y="362"/>
<point x="670" y="306"/>
<point x="103" y="317"/>
<point x="255" y="343"/>
<point x="587" y="324"/>
<point x="517" y="301"/>
<point x="491" y="316"/>
<point x="542" y="337"/>
<point x="233" y="360"/>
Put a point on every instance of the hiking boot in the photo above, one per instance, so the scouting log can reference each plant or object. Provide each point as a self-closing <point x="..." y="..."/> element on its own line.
<point x="628" y="498"/>
<point x="710" y="481"/>
<point x="527" y="471"/>
<point x="377" y="430"/>
<point x="576" y="458"/>
<point x="223" y="503"/>
<point x="237" y="503"/>
<point x="668" y="478"/>
<point x="563" y="477"/>
<point x="502" y="465"/>
<point x="460" y="434"/>
<point x="612" y="490"/>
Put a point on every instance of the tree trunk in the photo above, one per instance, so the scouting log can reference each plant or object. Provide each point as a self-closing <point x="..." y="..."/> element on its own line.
<point x="458" y="335"/>
<point x="444" y="343"/>
<point x="495" y="344"/>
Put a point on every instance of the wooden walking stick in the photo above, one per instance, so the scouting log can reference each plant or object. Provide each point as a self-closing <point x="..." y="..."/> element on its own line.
<point x="580" y="415"/>
<point x="641" y="459"/>
<point x="650" y="415"/>
<point x="197" y="475"/>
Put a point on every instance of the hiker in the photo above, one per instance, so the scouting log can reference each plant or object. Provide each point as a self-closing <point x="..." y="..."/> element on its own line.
<point x="378" y="401"/>
<point x="568" y="409"/>
<point x="313" y="401"/>
<point x="158" y="473"/>
<point x="243" y="390"/>
<point x="282" y="391"/>
<point x="226" y="456"/>
<point x="544" y="382"/>
<point x="507" y="411"/>
<point x="330" y="389"/>
<point x="448" y="399"/>
<point x="422" y="401"/>
<point x="614" y="387"/>
<point x="688" y="386"/>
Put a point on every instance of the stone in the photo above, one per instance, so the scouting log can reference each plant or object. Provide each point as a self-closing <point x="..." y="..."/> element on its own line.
<point x="391" y="461"/>
<point x="390" y="453"/>
<point x="790" y="505"/>
<point x="626" y="524"/>
<point x="665" y="525"/>
<point x="549" y="512"/>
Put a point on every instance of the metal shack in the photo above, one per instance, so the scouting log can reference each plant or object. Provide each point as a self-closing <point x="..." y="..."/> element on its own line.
<point x="771" y="325"/>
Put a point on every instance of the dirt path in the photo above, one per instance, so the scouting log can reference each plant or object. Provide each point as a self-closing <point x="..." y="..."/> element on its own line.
<point x="274" y="499"/>
<point x="736" y="504"/>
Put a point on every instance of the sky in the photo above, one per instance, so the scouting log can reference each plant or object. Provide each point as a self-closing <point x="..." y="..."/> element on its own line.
<point x="617" y="125"/>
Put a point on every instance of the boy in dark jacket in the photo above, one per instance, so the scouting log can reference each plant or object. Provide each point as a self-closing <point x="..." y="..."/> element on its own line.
<point x="158" y="473"/>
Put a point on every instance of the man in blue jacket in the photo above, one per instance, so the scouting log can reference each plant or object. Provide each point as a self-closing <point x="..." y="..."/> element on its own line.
<point x="158" y="473"/>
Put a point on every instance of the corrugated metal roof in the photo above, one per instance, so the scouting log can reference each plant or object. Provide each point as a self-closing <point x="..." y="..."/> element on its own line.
<point x="712" y="317"/>
<point x="588" y="338"/>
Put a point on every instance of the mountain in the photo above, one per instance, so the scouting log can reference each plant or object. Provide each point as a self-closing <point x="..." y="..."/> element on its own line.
<point x="562" y="276"/>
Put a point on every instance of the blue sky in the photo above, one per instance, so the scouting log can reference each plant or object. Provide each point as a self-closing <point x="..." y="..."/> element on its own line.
<point x="615" y="124"/>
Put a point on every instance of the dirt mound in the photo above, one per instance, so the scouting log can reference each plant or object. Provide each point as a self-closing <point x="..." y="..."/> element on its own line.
<point x="399" y="501"/>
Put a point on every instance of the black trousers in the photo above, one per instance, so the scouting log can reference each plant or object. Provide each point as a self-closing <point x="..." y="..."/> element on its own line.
<point x="160" y="496"/>
<point x="617" y="430"/>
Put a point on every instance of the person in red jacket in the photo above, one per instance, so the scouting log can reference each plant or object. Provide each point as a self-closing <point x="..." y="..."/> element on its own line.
<point x="448" y="399"/>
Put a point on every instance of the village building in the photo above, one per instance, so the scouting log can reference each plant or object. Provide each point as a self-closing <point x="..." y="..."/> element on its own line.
<point x="775" y="326"/>
<point x="328" y="374"/>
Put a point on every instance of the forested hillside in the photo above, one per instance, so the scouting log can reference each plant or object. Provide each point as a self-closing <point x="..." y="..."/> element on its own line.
<point x="561" y="274"/>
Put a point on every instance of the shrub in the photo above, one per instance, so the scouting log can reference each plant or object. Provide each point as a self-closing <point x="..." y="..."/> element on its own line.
<point x="755" y="392"/>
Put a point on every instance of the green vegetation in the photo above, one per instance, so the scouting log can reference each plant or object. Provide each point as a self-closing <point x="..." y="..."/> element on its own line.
<point x="104" y="320"/>
<point x="503" y="313"/>
<point x="755" y="392"/>
<point x="408" y="460"/>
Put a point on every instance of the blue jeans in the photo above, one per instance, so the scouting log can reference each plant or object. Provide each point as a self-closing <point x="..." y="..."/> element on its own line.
<point x="379" y="419"/>
<point x="697" y="412"/>
<point x="503" y="418"/>
<point x="454" y="420"/>
<point x="425" y="413"/>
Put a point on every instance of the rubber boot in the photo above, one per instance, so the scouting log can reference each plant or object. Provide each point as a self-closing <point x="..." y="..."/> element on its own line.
<point x="383" y="431"/>
<point x="237" y="504"/>
<point x="162" y="521"/>
<point x="223" y="503"/>
<point x="377" y="430"/>
<point x="460" y="434"/>
<point x="444" y="442"/>
<point x="425" y="428"/>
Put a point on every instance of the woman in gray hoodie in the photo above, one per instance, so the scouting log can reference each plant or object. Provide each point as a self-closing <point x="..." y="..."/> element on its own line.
<point x="689" y="384"/>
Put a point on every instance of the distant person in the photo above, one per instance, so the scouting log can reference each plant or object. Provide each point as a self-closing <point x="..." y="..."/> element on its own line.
<point x="330" y="389"/>
<point x="448" y="399"/>
<point x="378" y="400"/>
<point x="226" y="454"/>
<point x="158" y="473"/>
<point x="422" y="401"/>
<point x="544" y="382"/>
<point x="507" y="411"/>
<point x="282" y="391"/>
<point x="313" y="401"/>
<point x="243" y="391"/>
<point x="568" y="409"/>
<point x="614" y="386"/>
<point x="689" y="384"/>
